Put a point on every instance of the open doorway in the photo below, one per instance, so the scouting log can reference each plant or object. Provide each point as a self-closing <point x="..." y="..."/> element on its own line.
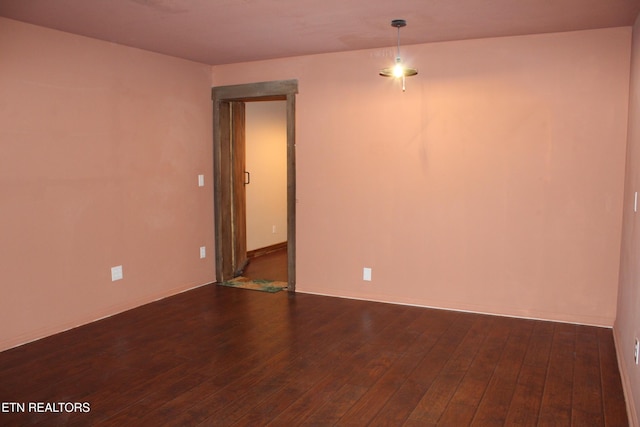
<point x="266" y="190"/>
<point x="230" y="177"/>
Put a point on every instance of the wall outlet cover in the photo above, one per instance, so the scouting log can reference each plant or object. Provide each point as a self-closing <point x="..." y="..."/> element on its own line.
<point x="116" y="273"/>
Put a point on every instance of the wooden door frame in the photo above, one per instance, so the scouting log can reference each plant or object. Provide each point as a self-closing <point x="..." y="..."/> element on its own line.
<point x="222" y="171"/>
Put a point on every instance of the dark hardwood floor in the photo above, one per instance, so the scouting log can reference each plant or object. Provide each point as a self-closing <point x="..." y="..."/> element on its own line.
<point x="222" y="356"/>
<point x="271" y="266"/>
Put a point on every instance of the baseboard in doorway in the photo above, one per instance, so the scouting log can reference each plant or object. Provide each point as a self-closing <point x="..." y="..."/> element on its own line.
<point x="266" y="250"/>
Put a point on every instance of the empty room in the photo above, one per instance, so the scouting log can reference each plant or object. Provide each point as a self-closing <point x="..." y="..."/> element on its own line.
<point x="352" y="212"/>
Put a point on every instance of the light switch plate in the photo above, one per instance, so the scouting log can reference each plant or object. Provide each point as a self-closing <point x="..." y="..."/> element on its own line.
<point x="203" y="252"/>
<point x="200" y="180"/>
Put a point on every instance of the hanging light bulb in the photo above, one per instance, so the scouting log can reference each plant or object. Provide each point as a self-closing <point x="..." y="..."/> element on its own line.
<point x="399" y="70"/>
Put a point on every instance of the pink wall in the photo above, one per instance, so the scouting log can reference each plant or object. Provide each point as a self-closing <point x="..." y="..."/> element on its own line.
<point x="100" y="148"/>
<point x="493" y="184"/>
<point x="627" y="324"/>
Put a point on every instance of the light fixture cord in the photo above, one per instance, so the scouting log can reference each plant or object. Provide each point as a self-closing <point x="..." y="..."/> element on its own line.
<point x="398" y="59"/>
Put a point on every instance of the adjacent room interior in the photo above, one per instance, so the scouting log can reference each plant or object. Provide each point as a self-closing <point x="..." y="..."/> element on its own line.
<point x="503" y="181"/>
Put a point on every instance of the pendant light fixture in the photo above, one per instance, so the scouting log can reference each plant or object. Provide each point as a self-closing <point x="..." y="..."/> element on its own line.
<point x="399" y="71"/>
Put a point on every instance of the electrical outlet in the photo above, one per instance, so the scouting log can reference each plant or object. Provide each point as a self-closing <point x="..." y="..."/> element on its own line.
<point x="200" y="180"/>
<point x="366" y="274"/>
<point x="636" y="351"/>
<point x="273" y="229"/>
<point x="203" y="252"/>
<point x="116" y="273"/>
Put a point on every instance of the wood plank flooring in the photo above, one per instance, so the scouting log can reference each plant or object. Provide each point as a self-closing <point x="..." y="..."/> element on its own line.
<point x="271" y="266"/>
<point x="233" y="357"/>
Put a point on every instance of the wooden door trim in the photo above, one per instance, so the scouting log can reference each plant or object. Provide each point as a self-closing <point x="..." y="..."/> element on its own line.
<point x="239" y="202"/>
<point x="222" y="181"/>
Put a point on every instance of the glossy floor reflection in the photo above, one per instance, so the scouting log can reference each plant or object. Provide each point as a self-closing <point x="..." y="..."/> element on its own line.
<point x="224" y="356"/>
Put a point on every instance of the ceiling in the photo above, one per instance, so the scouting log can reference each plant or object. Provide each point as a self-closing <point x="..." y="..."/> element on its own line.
<point x="229" y="31"/>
